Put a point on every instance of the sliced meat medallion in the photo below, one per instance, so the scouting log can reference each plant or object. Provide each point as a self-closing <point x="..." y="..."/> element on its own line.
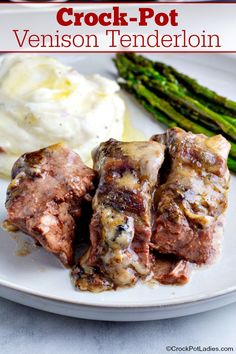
<point x="191" y="203"/>
<point x="120" y="230"/>
<point x="45" y="197"/>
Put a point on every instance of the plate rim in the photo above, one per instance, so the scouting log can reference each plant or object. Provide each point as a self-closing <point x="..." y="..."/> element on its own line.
<point x="182" y="301"/>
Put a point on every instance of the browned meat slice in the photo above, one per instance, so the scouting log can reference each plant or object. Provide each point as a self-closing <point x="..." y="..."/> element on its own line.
<point x="168" y="270"/>
<point x="45" y="197"/>
<point x="191" y="202"/>
<point x="120" y="230"/>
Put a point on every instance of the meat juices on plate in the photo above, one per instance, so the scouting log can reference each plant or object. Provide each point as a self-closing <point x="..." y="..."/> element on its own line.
<point x="46" y="195"/>
<point x="120" y="229"/>
<point x="191" y="203"/>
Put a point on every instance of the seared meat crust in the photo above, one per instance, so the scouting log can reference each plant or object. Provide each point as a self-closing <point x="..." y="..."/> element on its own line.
<point x="46" y="195"/>
<point x="120" y="230"/>
<point x="190" y="204"/>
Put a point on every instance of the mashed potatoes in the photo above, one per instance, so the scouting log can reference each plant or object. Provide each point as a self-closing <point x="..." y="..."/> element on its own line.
<point x="43" y="102"/>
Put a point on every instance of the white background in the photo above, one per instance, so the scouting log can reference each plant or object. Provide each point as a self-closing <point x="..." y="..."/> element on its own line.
<point x="24" y="330"/>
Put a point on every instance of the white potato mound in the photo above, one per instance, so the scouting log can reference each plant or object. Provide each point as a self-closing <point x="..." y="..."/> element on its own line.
<point x="43" y="102"/>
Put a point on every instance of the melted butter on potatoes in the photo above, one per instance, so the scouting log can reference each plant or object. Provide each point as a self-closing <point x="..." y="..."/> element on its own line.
<point x="43" y="102"/>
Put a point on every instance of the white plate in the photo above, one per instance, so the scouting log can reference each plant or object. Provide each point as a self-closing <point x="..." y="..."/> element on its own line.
<point x="38" y="279"/>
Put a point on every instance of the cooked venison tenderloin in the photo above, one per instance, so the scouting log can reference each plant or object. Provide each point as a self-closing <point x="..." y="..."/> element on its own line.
<point x="191" y="203"/>
<point x="120" y="229"/>
<point x="159" y="205"/>
<point x="169" y="270"/>
<point x="46" y="195"/>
